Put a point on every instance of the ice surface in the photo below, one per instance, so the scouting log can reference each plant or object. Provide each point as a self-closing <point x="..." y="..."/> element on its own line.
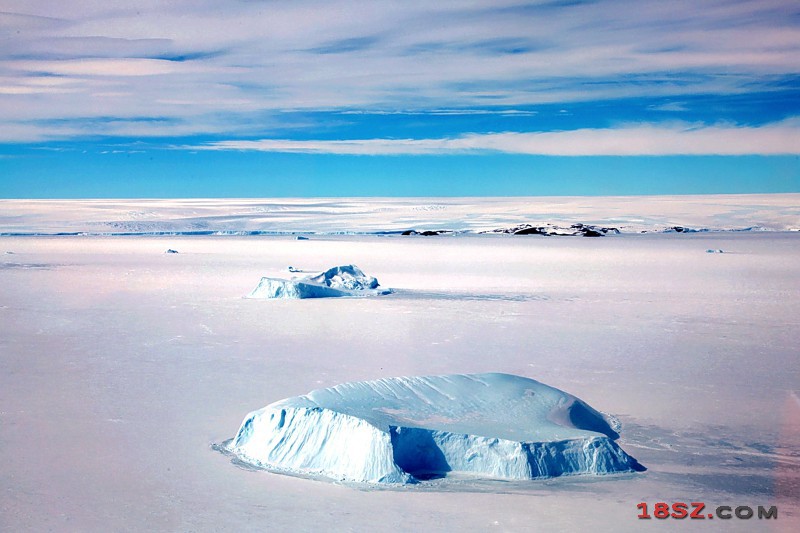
<point x="396" y="430"/>
<point x="347" y="280"/>
<point x="292" y="216"/>
<point x="119" y="367"/>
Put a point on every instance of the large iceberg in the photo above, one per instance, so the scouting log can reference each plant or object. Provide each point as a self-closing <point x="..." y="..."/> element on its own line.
<point x="401" y="430"/>
<point x="347" y="280"/>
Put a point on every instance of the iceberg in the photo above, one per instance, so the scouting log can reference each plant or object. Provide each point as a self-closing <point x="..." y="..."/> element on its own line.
<point x="407" y="429"/>
<point x="347" y="280"/>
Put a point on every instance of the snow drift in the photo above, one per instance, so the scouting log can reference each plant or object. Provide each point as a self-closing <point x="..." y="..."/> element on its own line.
<point x="347" y="280"/>
<point x="401" y="430"/>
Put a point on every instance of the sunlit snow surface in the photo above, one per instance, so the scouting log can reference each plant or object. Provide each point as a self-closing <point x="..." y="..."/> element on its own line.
<point x="628" y="214"/>
<point x="121" y="365"/>
<point x="396" y="430"/>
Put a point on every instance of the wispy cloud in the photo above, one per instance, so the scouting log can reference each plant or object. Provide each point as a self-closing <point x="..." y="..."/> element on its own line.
<point x="442" y="112"/>
<point x="669" y="107"/>
<point x="225" y="62"/>
<point x="680" y="139"/>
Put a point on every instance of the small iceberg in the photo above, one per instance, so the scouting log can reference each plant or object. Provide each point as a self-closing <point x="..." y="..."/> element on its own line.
<point x="347" y="280"/>
<point x="407" y="429"/>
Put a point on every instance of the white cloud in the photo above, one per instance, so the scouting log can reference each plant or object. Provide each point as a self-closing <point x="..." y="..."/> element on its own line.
<point x="354" y="55"/>
<point x="124" y="67"/>
<point x="670" y="107"/>
<point x="680" y="139"/>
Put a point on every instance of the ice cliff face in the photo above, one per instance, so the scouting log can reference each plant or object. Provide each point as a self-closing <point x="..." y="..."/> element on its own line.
<point x="346" y="280"/>
<point x="399" y="430"/>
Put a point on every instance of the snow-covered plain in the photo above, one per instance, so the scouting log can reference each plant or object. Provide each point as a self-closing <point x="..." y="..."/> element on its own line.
<point x="121" y="366"/>
<point x="631" y="214"/>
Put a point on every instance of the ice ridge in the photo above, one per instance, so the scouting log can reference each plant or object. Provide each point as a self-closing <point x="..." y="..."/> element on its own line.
<point x="347" y="280"/>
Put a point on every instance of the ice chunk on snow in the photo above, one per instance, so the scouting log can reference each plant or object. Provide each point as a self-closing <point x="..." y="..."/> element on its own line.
<point x="348" y="277"/>
<point x="347" y="280"/>
<point x="399" y="430"/>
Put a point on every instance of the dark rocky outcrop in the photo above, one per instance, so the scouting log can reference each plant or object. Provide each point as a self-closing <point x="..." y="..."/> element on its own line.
<point x="426" y="233"/>
<point x="584" y="230"/>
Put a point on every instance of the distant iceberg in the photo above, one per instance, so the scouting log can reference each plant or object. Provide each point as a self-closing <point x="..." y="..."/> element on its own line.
<point x="347" y="280"/>
<point x="402" y="430"/>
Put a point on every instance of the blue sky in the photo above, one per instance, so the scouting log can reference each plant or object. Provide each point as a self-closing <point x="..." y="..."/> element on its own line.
<point x="336" y="98"/>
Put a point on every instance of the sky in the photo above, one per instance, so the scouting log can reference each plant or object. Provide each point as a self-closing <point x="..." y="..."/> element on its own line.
<point x="259" y="98"/>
